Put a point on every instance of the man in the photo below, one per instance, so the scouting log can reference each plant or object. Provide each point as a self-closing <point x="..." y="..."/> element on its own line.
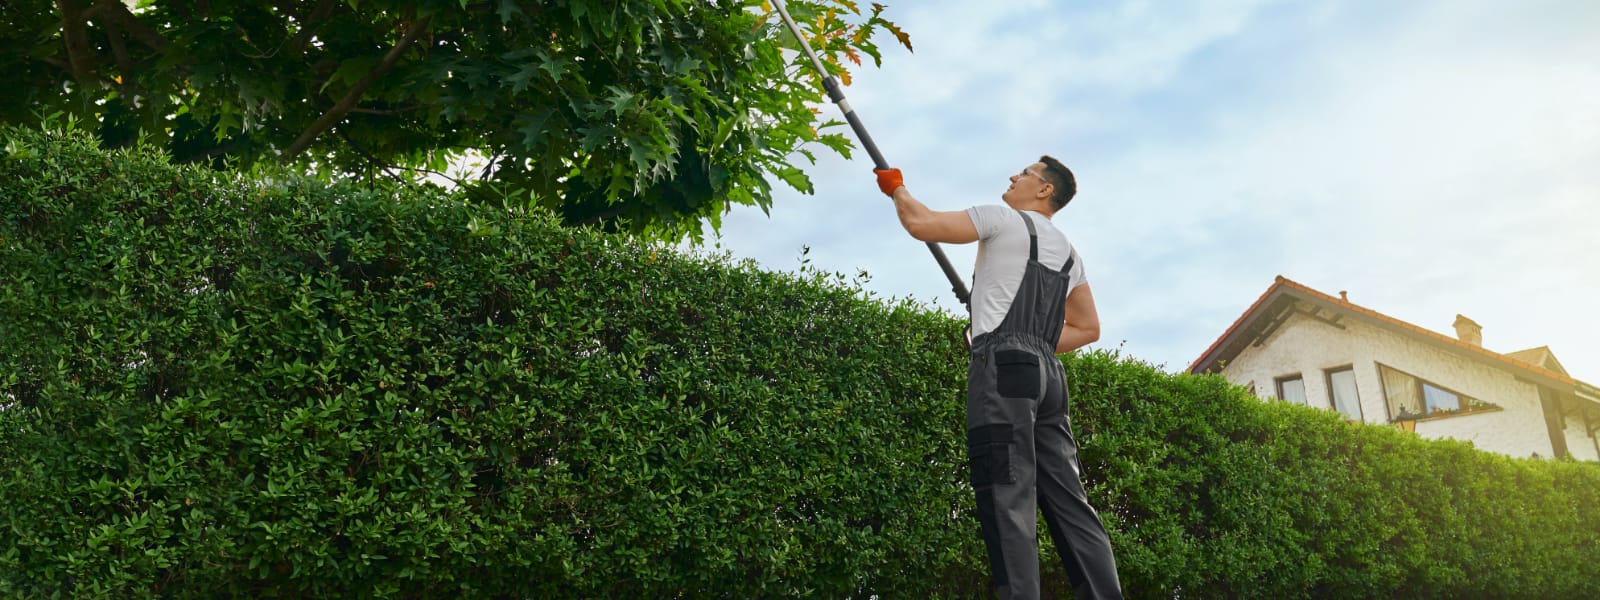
<point x="1029" y="302"/>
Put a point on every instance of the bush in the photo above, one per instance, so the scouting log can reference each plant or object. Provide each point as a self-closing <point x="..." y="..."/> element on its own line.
<point x="277" y="387"/>
<point x="287" y="388"/>
<point x="1212" y="493"/>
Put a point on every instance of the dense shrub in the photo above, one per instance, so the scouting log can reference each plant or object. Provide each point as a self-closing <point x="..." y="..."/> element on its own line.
<point x="1212" y="493"/>
<point x="278" y="387"/>
<point x="290" y="388"/>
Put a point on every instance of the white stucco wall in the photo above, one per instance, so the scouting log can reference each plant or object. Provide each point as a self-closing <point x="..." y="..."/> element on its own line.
<point x="1579" y="443"/>
<point x="1310" y="347"/>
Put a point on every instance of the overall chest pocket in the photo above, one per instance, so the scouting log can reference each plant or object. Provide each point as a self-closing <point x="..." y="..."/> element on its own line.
<point x="1016" y="374"/>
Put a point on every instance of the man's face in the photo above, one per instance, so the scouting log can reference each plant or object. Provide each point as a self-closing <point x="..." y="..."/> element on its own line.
<point x="1027" y="187"/>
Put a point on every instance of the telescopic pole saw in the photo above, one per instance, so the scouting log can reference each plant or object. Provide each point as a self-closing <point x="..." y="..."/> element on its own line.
<point x="837" y="96"/>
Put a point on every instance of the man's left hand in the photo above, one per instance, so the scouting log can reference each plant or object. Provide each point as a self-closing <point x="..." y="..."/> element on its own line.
<point x="889" y="180"/>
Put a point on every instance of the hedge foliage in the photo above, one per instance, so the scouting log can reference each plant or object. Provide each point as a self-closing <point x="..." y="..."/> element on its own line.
<point x="289" y="388"/>
<point x="1212" y="493"/>
<point x="279" y="387"/>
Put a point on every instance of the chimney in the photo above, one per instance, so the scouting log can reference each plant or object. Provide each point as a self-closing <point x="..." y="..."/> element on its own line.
<point x="1469" y="331"/>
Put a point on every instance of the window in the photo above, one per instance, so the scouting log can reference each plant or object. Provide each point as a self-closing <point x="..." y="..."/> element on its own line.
<point x="1292" y="389"/>
<point x="1439" y="400"/>
<point x="1411" y="397"/>
<point x="1342" y="386"/>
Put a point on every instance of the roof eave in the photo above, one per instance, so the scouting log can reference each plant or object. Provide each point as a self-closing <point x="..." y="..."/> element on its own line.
<point x="1223" y="349"/>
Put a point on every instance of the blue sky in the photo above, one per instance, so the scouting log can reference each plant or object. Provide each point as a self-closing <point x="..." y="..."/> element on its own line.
<point x="1429" y="157"/>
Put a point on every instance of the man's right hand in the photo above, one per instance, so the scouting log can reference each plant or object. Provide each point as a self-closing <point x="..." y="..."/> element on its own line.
<point x="889" y="180"/>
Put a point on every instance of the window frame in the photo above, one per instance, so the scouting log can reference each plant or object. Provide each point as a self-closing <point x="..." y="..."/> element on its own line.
<point x="1462" y="404"/>
<point x="1277" y="387"/>
<point x="1333" y="402"/>
<point x="1464" y="401"/>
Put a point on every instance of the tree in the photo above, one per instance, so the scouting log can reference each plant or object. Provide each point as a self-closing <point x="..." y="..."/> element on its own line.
<point x="640" y="115"/>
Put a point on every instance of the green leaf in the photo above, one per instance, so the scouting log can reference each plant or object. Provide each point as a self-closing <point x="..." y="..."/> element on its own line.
<point x="532" y="127"/>
<point x="507" y="9"/>
<point x="235" y="87"/>
<point x="795" y="178"/>
<point x="351" y="71"/>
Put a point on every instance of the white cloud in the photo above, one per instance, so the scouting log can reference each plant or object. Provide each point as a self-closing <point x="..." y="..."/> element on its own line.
<point x="1430" y="176"/>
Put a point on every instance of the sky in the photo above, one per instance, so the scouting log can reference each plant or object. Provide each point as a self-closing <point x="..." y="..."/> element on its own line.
<point x="1429" y="157"/>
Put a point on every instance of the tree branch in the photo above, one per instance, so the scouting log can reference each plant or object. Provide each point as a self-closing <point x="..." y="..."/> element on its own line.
<point x="386" y="167"/>
<point x="341" y="108"/>
<point x="119" y="51"/>
<point x="386" y="111"/>
<point x="297" y="44"/>
<point x="488" y="166"/>
<point x="372" y="160"/>
<point x="131" y="22"/>
<point x="80" y="61"/>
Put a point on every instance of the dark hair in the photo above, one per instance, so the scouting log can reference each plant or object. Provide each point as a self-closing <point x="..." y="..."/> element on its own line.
<point x="1059" y="176"/>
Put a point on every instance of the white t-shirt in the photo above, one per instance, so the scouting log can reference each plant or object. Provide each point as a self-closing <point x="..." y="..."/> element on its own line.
<point x="1003" y="256"/>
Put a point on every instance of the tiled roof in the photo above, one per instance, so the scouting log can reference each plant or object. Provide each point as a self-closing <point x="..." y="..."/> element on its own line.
<point x="1541" y="356"/>
<point x="1531" y="356"/>
<point x="1237" y="323"/>
<point x="1283" y="284"/>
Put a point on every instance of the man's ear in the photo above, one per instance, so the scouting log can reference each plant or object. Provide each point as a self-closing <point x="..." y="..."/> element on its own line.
<point x="1046" y="191"/>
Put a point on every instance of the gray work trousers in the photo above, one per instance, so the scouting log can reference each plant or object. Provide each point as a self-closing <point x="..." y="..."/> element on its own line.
<point x="1023" y="457"/>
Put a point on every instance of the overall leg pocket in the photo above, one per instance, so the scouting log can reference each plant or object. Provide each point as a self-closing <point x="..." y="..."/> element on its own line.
<point x="989" y="455"/>
<point x="1016" y="374"/>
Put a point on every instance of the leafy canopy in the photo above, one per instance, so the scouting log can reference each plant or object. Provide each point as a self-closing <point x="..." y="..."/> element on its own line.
<point x="640" y="115"/>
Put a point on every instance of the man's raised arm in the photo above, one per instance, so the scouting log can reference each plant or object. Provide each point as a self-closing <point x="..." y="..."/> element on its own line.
<point x="921" y="222"/>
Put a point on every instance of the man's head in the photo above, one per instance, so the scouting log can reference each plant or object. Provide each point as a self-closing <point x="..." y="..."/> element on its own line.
<point x="1045" y="186"/>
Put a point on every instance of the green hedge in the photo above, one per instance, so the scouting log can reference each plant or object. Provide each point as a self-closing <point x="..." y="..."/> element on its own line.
<point x="275" y="387"/>
<point x="293" y="388"/>
<point x="1211" y="493"/>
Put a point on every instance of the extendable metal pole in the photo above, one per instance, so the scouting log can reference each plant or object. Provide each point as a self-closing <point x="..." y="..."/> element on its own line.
<point x="837" y="96"/>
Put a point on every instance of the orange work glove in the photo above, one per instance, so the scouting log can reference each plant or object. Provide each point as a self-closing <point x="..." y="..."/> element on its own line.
<point x="888" y="180"/>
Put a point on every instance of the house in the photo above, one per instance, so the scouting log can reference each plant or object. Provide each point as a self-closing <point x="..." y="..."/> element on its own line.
<point x="1299" y="345"/>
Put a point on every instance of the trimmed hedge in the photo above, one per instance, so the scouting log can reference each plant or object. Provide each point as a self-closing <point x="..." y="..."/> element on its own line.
<point x="285" y="389"/>
<point x="275" y="387"/>
<point x="1212" y="493"/>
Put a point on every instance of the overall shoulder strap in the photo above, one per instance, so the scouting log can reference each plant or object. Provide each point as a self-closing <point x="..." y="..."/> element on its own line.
<point x="1033" y="245"/>
<point x="1033" y="237"/>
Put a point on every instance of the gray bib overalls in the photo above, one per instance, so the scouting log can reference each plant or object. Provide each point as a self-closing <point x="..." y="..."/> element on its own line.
<point x="1020" y="446"/>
